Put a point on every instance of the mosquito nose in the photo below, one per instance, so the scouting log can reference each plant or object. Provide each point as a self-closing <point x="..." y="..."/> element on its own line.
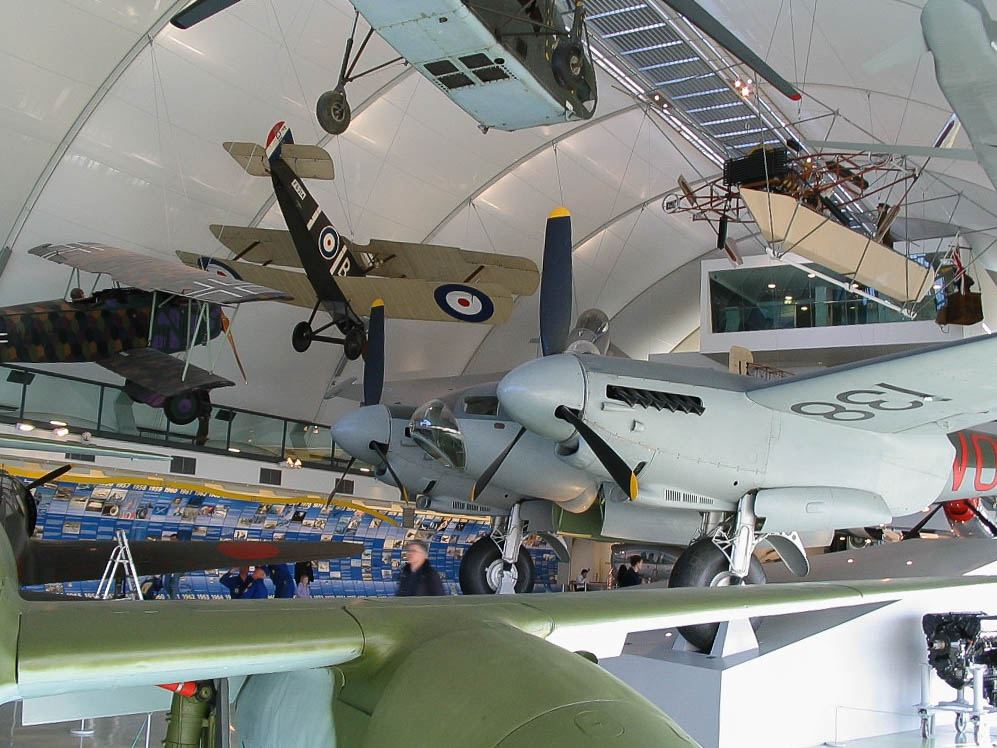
<point x="355" y="431"/>
<point x="530" y="393"/>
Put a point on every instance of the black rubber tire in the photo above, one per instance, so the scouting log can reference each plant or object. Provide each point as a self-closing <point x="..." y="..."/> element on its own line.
<point x="482" y="554"/>
<point x="698" y="566"/>
<point x="301" y="337"/>
<point x="568" y="63"/>
<point x="183" y="408"/>
<point x="354" y="343"/>
<point x="333" y="111"/>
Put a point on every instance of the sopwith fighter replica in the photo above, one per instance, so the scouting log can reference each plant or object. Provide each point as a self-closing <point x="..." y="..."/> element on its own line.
<point x="415" y="281"/>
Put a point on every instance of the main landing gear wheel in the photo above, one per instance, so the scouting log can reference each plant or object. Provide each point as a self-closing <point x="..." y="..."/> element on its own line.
<point x="568" y="64"/>
<point x="481" y="569"/>
<point x="301" y="337"/>
<point x="184" y="408"/>
<point x="354" y="342"/>
<point x="702" y="564"/>
<point x="333" y="111"/>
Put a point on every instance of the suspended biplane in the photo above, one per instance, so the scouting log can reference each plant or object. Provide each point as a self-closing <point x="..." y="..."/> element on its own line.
<point x="159" y="308"/>
<point x="415" y="281"/>
<point x="510" y="64"/>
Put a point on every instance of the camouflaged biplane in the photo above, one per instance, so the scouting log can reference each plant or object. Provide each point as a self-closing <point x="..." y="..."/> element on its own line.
<point x="415" y="281"/>
<point x="159" y="308"/>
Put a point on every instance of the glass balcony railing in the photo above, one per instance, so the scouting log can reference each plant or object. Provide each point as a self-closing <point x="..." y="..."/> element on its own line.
<point x="47" y="399"/>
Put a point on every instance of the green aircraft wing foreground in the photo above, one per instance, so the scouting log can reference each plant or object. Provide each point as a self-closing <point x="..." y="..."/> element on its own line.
<point x="462" y="671"/>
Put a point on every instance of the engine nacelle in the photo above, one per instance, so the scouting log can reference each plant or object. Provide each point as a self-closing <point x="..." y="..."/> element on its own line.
<point x="815" y="508"/>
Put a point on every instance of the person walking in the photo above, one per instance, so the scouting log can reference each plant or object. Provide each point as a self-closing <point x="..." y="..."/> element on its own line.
<point x="418" y="577"/>
<point x="629" y="576"/>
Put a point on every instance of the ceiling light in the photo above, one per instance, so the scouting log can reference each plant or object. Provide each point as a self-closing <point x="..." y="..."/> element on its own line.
<point x="58" y="423"/>
<point x="804" y="308"/>
<point x="25" y="426"/>
<point x="771" y="285"/>
<point x="234" y="450"/>
<point x="910" y="563"/>
<point x="851" y="560"/>
<point x="668" y="634"/>
<point x="789" y="298"/>
<point x="811" y="275"/>
<point x="61" y="431"/>
<point x="364" y="470"/>
<point x="314" y="429"/>
<point x="297" y="463"/>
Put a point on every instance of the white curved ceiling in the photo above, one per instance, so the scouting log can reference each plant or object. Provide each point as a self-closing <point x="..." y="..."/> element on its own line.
<point x="112" y="138"/>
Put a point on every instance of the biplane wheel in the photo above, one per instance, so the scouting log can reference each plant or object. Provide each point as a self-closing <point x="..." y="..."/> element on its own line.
<point x="333" y="111"/>
<point x="301" y="337"/>
<point x="354" y="343"/>
<point x="183" y="408"/>
<point x="568" y="64"/>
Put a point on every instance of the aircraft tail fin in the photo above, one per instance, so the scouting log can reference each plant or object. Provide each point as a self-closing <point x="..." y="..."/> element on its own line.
<point x="278" y="136"/>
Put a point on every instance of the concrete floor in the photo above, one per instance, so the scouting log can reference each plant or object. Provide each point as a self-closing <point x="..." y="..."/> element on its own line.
<point x="109" y="732"/>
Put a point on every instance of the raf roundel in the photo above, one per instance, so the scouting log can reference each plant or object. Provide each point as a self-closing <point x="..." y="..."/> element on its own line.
<point x="464" y="303"/>
<point x="328" y="243"/>
<point x="217" y="267"/>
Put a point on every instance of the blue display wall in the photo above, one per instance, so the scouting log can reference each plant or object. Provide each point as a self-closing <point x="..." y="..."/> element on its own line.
<point x="86" y="511"/>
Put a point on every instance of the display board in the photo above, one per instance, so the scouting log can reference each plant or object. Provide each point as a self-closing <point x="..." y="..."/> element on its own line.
<point x="86" y="511"/>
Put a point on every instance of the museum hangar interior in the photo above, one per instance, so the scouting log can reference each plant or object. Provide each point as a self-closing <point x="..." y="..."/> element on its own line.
<point x="646" y="338"/>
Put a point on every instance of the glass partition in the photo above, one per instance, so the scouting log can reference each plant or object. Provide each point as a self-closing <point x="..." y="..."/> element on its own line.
<point x="41" y="397"/>
<point x="779" y="297"/>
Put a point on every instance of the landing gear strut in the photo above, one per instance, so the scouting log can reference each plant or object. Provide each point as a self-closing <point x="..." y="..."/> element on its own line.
<point x="333" y="109"/>
<point x="725" y="557"/>
<point x="498" y="563"/>
<point x="354" y="338"/>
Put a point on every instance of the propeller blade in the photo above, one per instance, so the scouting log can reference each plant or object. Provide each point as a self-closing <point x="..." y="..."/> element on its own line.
<point x="555" y="283"/>
<point x="332" y="493"/>
<point x="198" y="11"/>
<point x="373" y="370"/>
<point x="485" y="478"/>
<point x="625" y="478"/>
<point x="48" y="477"/>
<point x="698" y="16"/>
<point x="383" y="452"/>
<point x="227" y="327"/>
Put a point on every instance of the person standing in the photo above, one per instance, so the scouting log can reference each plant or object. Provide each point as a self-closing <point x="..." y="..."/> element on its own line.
<point x="283" y="582"/>
<point x="257" y="588"/>
<point x="304" y="587"/>
<point x="629" y="576"/>
<point x="237" y="580"/>
<point x="418" y="577"/>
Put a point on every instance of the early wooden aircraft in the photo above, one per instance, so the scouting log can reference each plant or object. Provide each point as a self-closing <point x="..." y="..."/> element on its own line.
<point x="415" y="281"/>
<point x="160" y="308"/>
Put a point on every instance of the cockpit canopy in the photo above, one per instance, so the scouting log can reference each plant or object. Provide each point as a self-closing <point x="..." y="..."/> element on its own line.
<point x="434" y="428"/>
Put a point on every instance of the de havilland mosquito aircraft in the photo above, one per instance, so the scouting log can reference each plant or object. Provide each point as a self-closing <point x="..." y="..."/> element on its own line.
<point x="720" y="462"/>
<point x="415" y="281"/>
<point x="159" y="308"/>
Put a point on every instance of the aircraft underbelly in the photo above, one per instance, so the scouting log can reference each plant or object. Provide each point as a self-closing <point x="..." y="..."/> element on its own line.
<point x="511" y="98"/>
<point x="906" y="471"/>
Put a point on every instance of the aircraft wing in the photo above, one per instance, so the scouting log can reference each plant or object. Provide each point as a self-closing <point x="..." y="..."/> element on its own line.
<point x="296" y="286"/>
<point x="307" y="161"/>
<point x="161" y="373"/>
<point x="415" y="298"/>
<point x="143" y="643"/>
<point x="154" y="274"/>
<point x="518" y="275"/>
<point x="951" y="384"/>
<point x="262" y="246"/>
<point x="78" y="560"/>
